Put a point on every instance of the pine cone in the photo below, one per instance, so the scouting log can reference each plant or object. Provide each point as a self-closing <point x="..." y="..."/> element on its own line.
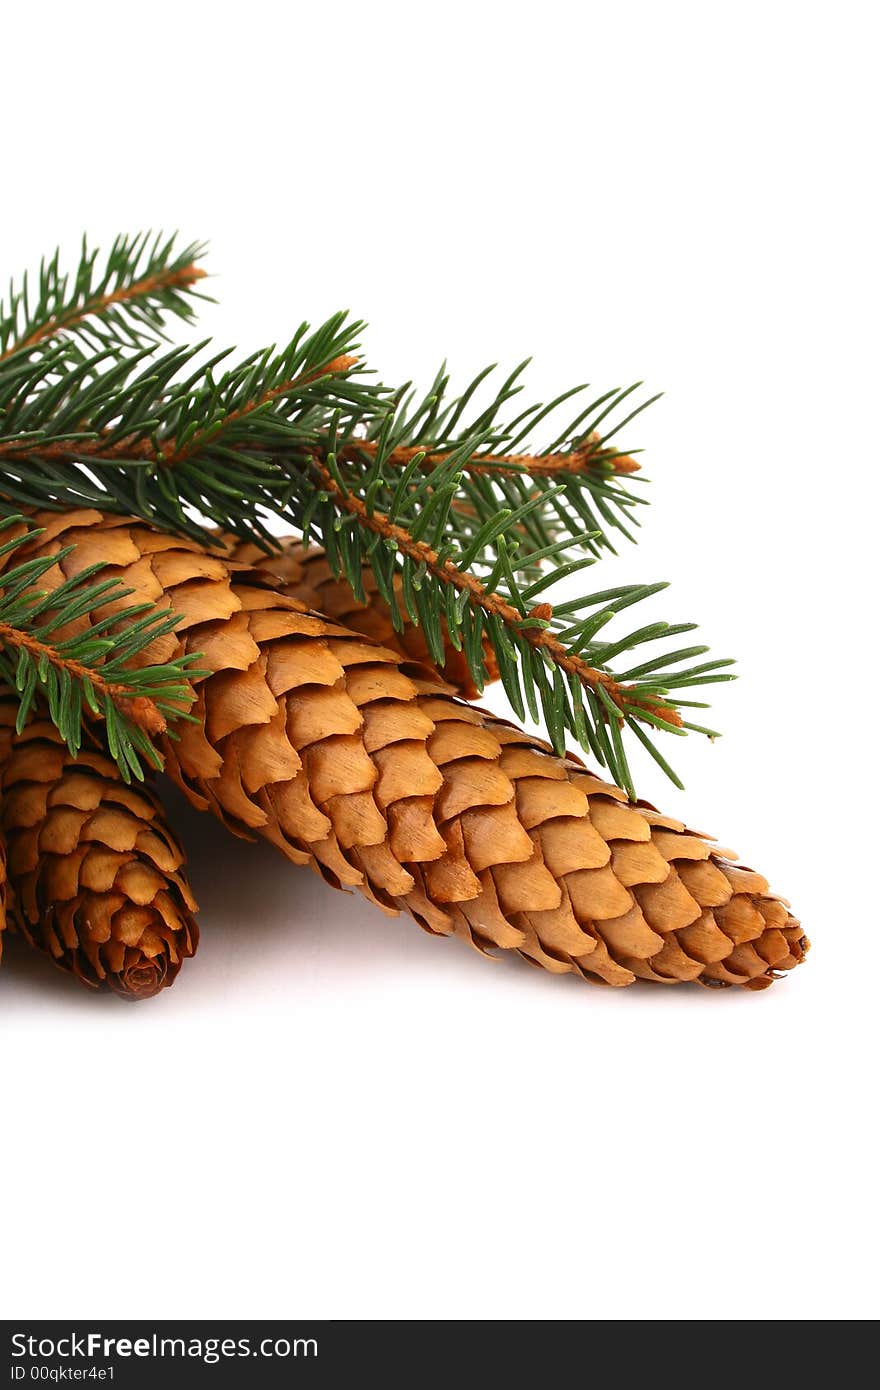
<point x="321" y="742"/>
<point x="302" y="572"/>
<point x="96" y="875"/>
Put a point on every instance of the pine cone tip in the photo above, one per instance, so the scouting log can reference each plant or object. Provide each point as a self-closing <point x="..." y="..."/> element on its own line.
<point x="144" y="977"/>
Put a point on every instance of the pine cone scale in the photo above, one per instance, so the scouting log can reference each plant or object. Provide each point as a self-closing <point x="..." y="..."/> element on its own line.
<point x="305" y="574"/>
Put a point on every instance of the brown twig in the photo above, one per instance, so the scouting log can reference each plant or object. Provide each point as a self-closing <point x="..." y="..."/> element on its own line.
<point x="140" y="709"/>
<point x="162" y="280"/>
<point x="588" y="455"/>
<point x="624" y="697"/>
<point x="97" y="449"/>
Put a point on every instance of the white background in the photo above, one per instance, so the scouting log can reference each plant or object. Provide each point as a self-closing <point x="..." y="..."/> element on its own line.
<point x="331" y="1113"/>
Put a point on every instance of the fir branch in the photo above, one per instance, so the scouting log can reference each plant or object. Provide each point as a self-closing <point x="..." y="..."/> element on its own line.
<point x="175" y="454"/>
<point x="244" y="434"/>
<point x="474" y="536"/>
<point x="165" y="453"/>
<point x="168" y="438"/>
<point x="535" y="630"/>
<point x="492" y="589"/>
<point x="142" y="281"/>
<point x="438" y="493"/>
<point x="580" y="456"/>
<point x="86" y="674"/>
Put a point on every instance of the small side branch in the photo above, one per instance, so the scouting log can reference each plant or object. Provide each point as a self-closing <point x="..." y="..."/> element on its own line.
<point x="626" y="698"/>
<point x="139" y="709"/>
<point x="162" y="281"/>
<point x="171" y="455"/>
<point x="588" y="455"/>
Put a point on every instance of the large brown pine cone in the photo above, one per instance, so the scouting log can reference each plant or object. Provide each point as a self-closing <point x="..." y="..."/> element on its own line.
<point x="302" y="572"/>
<point x="96" y="876"/>
<point x="323" y="743"/>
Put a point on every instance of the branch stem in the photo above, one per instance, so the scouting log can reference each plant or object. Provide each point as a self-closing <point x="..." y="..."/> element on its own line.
<point x="579" y="460"/>
<point x="140" y="709"/>
<point x="626" y="698"/>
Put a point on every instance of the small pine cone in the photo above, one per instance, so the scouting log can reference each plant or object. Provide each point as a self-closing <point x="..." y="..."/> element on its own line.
<point x="320" y="741"/>
<point x="302" y="572"/>
<point x="95" y="873"/>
